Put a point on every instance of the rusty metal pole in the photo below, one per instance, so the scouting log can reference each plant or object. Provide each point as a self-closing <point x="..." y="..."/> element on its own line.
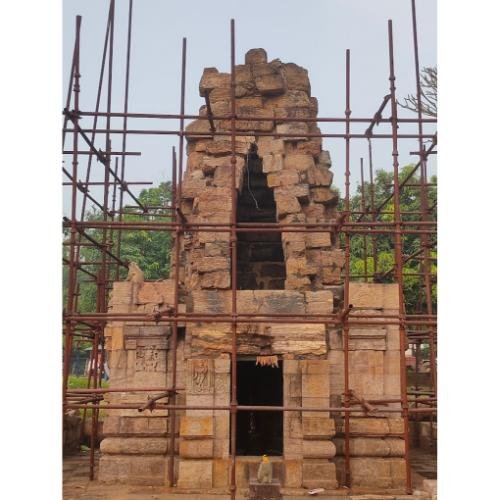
<point x="398" y="258"/>
<point x="233" y="245"/>
<point x="124" y="138"/>
<point x="72" y="270"/>
<point x="347" y="461"/>
<point x="174" y="325"/>
<point x="372" y="205"/>
<point x="363" y="209"/>
<point x="424" y="200"/>
<point x="177" y="178"/>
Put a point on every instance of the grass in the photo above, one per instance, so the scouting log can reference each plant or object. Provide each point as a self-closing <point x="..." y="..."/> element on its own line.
<point x="80" y="382"/>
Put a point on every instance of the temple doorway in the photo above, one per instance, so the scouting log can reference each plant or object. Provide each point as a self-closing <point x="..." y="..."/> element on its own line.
<point x="259" y="432"/>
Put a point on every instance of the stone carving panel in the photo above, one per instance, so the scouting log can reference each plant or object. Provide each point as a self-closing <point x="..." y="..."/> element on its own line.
<point x="201" y="376"/>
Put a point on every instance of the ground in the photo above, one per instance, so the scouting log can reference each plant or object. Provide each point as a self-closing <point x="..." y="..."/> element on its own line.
<point x="77" y="486"/>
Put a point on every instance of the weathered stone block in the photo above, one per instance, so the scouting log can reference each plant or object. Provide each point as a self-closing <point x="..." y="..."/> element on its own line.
<point x="293" y="131"/>
<point x="196" y="448"/>
<point x="268" y="79"/>
<point x="284" y="178"/>
<point x="196" y="427"/>
<point x="318" y="176"/>
<point x="293" y="473"/>
<point x="319" y="474"/>
<point x="324" y="195"/>
<point x="130" y="469"/>
<point x="195" y="474"/>
<point x="317" y="428"/>
<point x="134" y="446"/>
<point x="216" y="279"/>
<point x="286" y="205"/>
<point x="300" y="191"/>
<point x="256" y="56"/>
<point x="221" y="468"/>
<point x="209" y="264"/>
<point x="212" y="79"/>
<point x="272" y="162"/>
<point x="319" y="302"/>
<point x="372" y="447"/>
<point x="299" y="162"/>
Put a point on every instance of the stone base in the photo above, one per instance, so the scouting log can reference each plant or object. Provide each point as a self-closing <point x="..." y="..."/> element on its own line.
<point x="132" y="469"/>
<point x="258" y="491"/>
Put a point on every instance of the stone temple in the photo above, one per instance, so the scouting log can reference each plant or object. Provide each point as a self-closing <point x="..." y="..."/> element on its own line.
<point x="285" y="180"/>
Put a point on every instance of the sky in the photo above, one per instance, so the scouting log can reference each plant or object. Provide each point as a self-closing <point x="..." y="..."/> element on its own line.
<point x="314" y="35"/>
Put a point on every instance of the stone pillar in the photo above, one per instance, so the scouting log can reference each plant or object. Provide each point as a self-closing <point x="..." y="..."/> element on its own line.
<point x="318" y="471"/>
<point x="196" y="448"/>
<point x="376" y="460"/>
<point x="135" y="444"/>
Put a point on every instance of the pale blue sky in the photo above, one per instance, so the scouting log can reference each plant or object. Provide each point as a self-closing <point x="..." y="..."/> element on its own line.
<point x="312" y="34"/>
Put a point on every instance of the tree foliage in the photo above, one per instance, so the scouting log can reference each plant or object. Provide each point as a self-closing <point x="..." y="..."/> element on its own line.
<point x="409" y="202"/>
<point x="150" y="250"/>
<point x="428" y="85"/>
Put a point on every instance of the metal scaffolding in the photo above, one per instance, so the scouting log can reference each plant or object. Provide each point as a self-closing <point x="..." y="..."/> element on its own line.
<point x="418" y="329"/>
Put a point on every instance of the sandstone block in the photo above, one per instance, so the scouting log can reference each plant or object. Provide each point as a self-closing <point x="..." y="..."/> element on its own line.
<point x="318" y="176"/>
<point x="372" y="447"/>
<point x="293" y="473"/>
<point x="216" y="279"/>
<point x="296" y="78"/>
<point x="135" y="470"/>
<point x="223" y="147"/>
<point x="315" y="402"/>
<point x="299" y="162"/>
<point x="317" y="428"/>
<point x="284" y="178"/>
<point x="319" y="474"/>
<point x="268" y="79"/>
<point x="324" y="159"/>
<point x="196" y="427"/>
<point x="318" y="240"/>
<point x="208" y="264"/>
<point x="297" y="332"/>
<point x="221" y="467"/>
<point x="286" y="204"/>
<point x="272" y="163"/>
<point x="319" y="449"/>
<point x="319" y="302"/>
<point x="324" y="195"/>
<point x="300" y="191"/>
<point x="195" y="474"/>
<point x="134" y="446"/>
<point x="311" y="146"/>
<point x="196" y="448"/>
<point x="267" y="145"/>
<point x="211" y="79"/>
<point x="293" y="131"/>
<point x="198" y="129"/>
<point x="293" y="99"/>
<point x="256" y="56"/>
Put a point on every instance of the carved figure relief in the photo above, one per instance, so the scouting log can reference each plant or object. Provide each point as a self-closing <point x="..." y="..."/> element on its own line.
<point x="146" y="359"/>
<point x="201" y="376"/>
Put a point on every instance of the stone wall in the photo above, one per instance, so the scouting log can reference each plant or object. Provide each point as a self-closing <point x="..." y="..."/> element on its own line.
<point x="135" y="445"/>
<point x="374" y="373"/>
<point x="296" y="169"/>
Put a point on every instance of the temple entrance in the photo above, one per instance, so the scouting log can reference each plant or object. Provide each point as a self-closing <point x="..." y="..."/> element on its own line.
<point x="259" y="432"/>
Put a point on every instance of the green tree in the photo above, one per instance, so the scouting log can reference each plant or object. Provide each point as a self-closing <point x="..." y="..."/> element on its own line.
<point x="150" y="250"/>
<point x="410" y="203"/>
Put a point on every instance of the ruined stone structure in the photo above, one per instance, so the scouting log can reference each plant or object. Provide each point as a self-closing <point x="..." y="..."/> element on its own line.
<point x="285" y="180"/>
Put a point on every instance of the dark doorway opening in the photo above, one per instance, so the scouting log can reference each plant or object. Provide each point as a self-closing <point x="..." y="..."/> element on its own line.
<point x="261" y="263"/>
<point x="259" y="432"/>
